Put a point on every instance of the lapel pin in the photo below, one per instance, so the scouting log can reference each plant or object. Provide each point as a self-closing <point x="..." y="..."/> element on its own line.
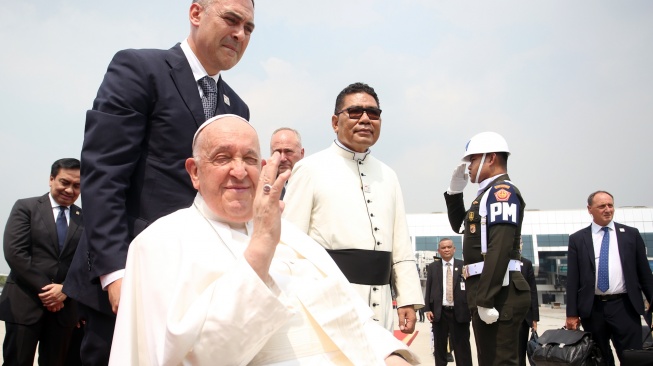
<point x="226" y="99"/>
<point x="622" y="230"/>
<point x="455" y="268"/>
<point x="76" y="212"/>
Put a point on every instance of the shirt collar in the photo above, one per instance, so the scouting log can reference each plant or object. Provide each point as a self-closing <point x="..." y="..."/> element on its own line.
<point x="210" y="215"/>
<point x="356" y="155"/>
<point x="195" y="64"/>
<point x="485" y="183"/>
<point x="596" y="227"/>
<point x="54" y="203"/>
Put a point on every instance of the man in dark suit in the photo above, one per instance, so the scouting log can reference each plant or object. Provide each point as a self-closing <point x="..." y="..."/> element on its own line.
<point x="39" y="243"/>
<point x="446" y="306"/>
<point x="533" y="314"/>
<point x="138" y="136"/>
<point x="607" y="271"/>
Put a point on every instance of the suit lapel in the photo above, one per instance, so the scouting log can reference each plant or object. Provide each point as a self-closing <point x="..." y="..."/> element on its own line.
<point x="589" y="246"/>
<point x="45" y="209"/>
<point x="623" y="245"/>
<point x="73" y="226"/>
<point x="187" y="87"/>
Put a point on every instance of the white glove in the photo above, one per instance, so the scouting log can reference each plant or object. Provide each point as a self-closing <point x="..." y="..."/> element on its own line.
<point x="459" y="179"/>
<point x="488" y="315"/>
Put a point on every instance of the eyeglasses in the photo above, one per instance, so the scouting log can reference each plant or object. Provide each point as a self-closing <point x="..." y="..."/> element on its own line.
<point x="357" y="112"/>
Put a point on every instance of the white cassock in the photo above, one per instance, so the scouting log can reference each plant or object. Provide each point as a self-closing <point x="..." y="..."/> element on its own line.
<point x="189" y="298"/>
<point x="346" y="200"/>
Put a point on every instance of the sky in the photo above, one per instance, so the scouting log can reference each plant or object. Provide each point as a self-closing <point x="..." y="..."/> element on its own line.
<point x="569" y="84"/>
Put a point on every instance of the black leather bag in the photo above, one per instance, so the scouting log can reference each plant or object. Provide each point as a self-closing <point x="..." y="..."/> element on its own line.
<point x="644" y="356"/>
<point x="531" y="346"/>
<point x="558" y="347"/>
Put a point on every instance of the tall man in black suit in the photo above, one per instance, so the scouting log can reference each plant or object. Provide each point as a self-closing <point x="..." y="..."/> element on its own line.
<point x="533" y="314"/>
<point x="606" y="275"/>
<point x="138" y="136"/>
<point x="39" y="243"/>
<point x="446" y="306"/>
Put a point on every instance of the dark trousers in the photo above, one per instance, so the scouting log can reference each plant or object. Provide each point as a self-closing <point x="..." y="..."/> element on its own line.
<point x="458" y="333"/>
<point x="98" y="334"/>
<point x="524" y="332"/>
<point x="614" y="320"/>
<point x="19" y="347"/>
<point x="497" y="344"/>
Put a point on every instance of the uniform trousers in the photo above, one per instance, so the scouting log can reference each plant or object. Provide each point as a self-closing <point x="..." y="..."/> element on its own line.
<point x="524" y="332"/>
<point x="497" y="344"/>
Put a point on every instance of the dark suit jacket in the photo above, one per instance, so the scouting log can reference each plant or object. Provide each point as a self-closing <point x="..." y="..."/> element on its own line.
<point x="31" y="248"/>
<point x="138" y="136"/>
<point x="434" y="291"/>
<point x="529" y="275"/>
<point x="581" y="270"/>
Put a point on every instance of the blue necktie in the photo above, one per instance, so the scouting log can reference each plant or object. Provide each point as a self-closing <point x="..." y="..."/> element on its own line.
<point x="62" y="226"/>
<point x="603" y="282"/>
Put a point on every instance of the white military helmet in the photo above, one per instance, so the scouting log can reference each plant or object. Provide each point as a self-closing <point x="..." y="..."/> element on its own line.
<point x="485" y="142"/>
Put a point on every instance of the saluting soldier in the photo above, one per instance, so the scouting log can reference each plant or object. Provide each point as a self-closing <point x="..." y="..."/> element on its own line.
<point x="497" y="294"/>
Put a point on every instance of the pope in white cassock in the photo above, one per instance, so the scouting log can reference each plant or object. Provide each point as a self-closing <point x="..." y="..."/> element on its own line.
<point x="227" y="282"/>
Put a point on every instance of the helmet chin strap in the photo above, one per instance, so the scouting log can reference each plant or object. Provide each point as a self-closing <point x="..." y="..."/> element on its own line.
<point x="478" y="172"/>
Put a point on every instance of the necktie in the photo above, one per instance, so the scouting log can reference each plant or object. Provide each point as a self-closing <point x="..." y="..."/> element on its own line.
<point x="210" y="97"/>
<point x="62" y="226"/>
<point x="603" y="282"/>
<point x="449" y="284"/>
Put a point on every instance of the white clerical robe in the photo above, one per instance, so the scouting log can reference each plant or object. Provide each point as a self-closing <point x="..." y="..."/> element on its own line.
<point x="189" y="298"/>
<point x="346" y="200"/>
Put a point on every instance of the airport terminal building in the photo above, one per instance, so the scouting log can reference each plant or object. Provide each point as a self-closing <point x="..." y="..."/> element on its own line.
<point x="545" y="235"/>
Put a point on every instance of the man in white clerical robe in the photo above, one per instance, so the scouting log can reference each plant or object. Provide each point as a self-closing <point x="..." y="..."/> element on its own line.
<point x="226" y="282"/>
<point x="351" y="204"/>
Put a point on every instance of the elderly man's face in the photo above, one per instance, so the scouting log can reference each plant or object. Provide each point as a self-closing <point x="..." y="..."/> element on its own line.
<point x="288" y="145"/>
<point x="220" y="32"/>
<point x="228" y="168"/>
<point x="361" y="133"/>
<point x="446" y="250"/>
<point x="602" y="209"/>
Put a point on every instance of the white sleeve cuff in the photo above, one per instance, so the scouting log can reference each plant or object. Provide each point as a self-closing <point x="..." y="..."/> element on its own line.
<point x="108" y="279"/>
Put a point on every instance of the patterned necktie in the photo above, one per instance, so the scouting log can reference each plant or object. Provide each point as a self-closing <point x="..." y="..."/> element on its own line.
<point x="603" y="282"/>
<point x="449" y="284"/>
<point x="62" y="226"/>
<point x="210" y="97"/>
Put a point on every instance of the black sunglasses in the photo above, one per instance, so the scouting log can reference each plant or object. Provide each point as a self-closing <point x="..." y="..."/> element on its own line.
<point x="357" y="112"/>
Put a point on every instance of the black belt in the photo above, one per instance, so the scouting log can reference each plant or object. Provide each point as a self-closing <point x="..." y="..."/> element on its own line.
<point x="609" y="297"/>
<point x="364" y="267"/>
<point x="446" y="307"/>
